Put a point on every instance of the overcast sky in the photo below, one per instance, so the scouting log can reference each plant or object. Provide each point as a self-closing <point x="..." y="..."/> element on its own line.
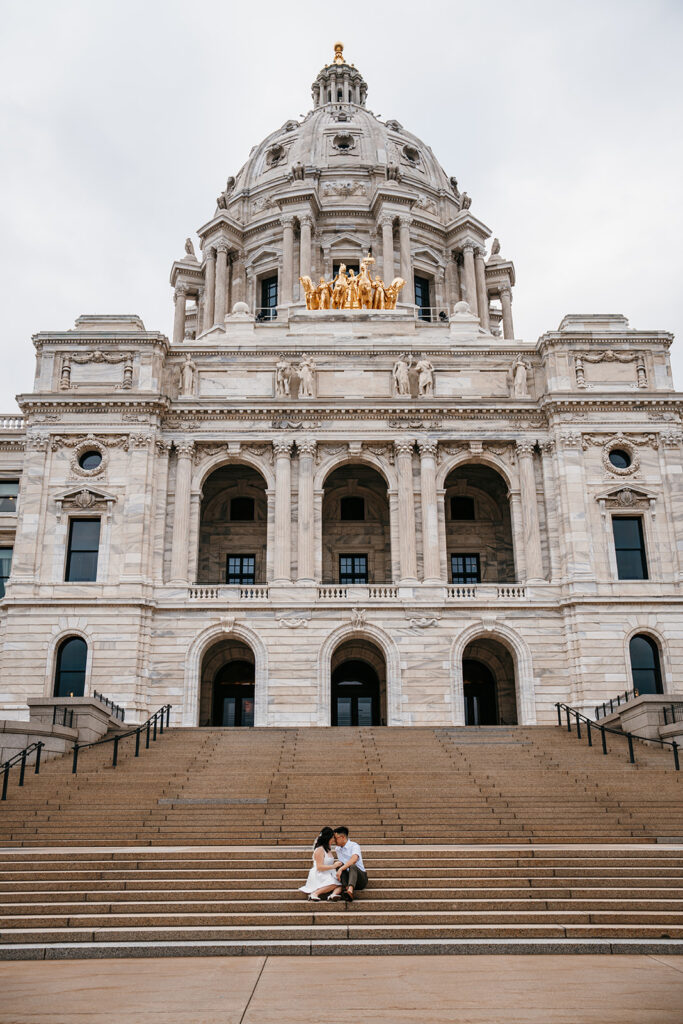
<point x="120" y="121"/>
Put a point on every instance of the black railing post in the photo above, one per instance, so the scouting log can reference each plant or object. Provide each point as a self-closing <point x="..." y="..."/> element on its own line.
<point x="54" y="714"/>
<point x="168" y="715"/>
<point x="115" y="758"/>
<point x="604" y="739"/>
<point x="161" y="722"/>
<point x="74" y="766"/>
<point x="569" y="721"/>
<point x="664" y="713"/>
<point x="147" y="740"/>
<point x="154" y="737"/>
<point x="5" y="780"/>
<point x="137" y="742"/>
<point x="631" y="756"/>
<point x="38" y="752"/>
<point x="23" y="768"/>
<point x="559" y="714"/>
<point x="674" y="747"/>
<point x="578" y="726"/>
<point x="611" y="706"/>
<point x="588" y="730"/>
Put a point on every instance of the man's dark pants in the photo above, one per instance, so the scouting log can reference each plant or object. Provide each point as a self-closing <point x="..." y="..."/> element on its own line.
<point x="354" y="877"/>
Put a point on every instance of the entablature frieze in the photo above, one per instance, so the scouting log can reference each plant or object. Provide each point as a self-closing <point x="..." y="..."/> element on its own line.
<point x="78" y="339"/>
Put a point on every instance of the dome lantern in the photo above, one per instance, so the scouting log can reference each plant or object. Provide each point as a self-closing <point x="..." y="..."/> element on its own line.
<point x="339" y="83"/>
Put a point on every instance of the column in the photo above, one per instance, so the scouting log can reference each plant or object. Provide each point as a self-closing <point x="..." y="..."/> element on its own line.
<point x="282" y="539"/>
<point x="387" y="225"/>
<point x="180" y="297"/>
<point x="671" y="461"/>
<point x="406" y="270"/>
<point x="285" y="296"/>
<point x="452" y="289"/>
<point x="482" y="295"/>
<point x="239" y="279"/>
<point x="506" y="303"/>
<point x="209" y="289"/>
<point x="221" y="282"/>
<point x="470" y="277"/>
<point x="156" y="548"/>
<point x="33" y="492"/>
<point x="430" y="512"/>
<point x="305" y="268"/>
<point x="406" y="511"/>
<point x="181" y="516"/>
<point x="556" y="540"/>
<point x="306" y="449"/>
<point x="532" y="530"/>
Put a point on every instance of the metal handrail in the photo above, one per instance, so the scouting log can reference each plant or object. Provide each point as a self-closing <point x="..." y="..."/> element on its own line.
<point x="615" y="702"/>
<point x="432" y="315"/>
<point x="630" y="736"/>
<point x="150" y="727"/>
<point x="116" y="709"/>
<point x="20" y="758"/>
<point x="66" y="715"/>
<point x="674" y="711"/>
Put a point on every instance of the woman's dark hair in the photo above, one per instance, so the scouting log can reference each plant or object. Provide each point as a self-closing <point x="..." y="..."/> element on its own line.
<point x="324" y="839"/>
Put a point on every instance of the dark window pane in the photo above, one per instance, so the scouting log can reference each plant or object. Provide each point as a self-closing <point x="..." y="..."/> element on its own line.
<point x="465" y="568"/>
<point x="5" y="568"/>
<point x="647" y="677"/>
<point x="343" y="710"/>
<point x="241" y="569"/>
<point x="229" y="710"/>
<point x="71" y="661"/>
<point x="247" y="711"/>
<point x="422" y="298"/>
<point x="629" y="547"/>
<point x="462" y="507"/>
<point x="90" y="460"/>
<point x="242" y="509"/>
<point x="81" y="559"/>
<point x="352" y="508"/>
<point x="365" y="710"/>
<point x="353" y="568"/>
<point x="9" y="489"/>
<point x="619" y="458"/>
<point x="268" y="298"/>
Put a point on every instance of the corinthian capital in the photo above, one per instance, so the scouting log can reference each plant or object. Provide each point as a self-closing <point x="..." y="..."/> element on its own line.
<point x="525" y="447"/>
<point x="306" y="446"/>
<point x="426" y="448"/>
<point x="386" y="221"/>
<point x="282" y="447"/>
<point x="222" y="246"/>
<point x="404" y="446"/>
<point x="287" y="220"/>
<point x="184" y="449"/>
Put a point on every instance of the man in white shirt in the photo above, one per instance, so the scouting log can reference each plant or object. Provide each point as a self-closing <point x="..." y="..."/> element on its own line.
<point x="352" y="873"/>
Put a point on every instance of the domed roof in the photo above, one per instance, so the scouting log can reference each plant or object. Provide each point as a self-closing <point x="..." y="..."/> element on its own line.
<point x="341" y="138"/>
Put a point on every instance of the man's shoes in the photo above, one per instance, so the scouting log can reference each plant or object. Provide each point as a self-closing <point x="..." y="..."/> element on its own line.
<point x="348" y="896"/>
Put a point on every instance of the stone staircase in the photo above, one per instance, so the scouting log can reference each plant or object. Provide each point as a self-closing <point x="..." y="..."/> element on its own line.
<point x="475" y="839"/>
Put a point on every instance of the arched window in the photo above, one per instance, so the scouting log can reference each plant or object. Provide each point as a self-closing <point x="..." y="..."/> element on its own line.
<point x="647" y="676"/>
<point x="71" y="660"/>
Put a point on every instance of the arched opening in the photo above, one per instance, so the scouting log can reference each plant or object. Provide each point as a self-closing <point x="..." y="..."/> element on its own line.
<point x="489" y="690"/>
<point x="233" y="525"/>
<point x="358" y="684"/>
<point x="227" y="692"/>
<point x="356" y="535"/>
<point x="72" y="658"/>
<point x="478" y="527"/>
<point x="645" y="666"/>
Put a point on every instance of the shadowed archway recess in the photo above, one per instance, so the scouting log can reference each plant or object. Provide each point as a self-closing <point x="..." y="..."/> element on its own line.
<point x="233" y="527"/>
<point x="358" y="684"/>
<point x="489" y="690"/>
<point x="227" y="694"/>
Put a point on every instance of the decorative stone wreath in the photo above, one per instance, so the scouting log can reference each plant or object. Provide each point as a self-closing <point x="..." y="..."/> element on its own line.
<point x="622" y="444"/>
<point x="89" y="445"/>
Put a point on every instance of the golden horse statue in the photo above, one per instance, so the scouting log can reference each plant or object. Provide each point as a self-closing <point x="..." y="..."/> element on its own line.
<point x="364" y="282"/>
<point x="311" y="293"/>
<point x="392" y="292"/>
<point x="341" y="285"/>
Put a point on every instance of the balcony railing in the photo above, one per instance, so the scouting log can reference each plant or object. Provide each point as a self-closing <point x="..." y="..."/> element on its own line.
<point x="210" y="592"/>
<point x="434" y="315"/>
<point x="11" y="422"/>
<point x="486" y="591"/>
<point x="357" y="592"/>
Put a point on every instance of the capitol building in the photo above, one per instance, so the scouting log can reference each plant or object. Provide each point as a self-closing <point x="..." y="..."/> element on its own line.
<point x="343" y="492"/>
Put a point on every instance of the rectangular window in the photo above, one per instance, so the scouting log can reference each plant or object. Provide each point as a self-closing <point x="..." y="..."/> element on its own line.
<point x="9" y="489"/>
<point x="422" y="298"/>
<point x="268" y="309"/>
<point x="5" y="568"/>
<point x="84" y="544"/>
<point x="465" y="569"/>
<point x="629" y="547"/>
<point x="240" y="569"/>
<point x="353" y="568"/>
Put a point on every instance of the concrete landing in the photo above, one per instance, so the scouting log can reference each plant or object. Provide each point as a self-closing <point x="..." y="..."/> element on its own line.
<point x="372" y="990"/>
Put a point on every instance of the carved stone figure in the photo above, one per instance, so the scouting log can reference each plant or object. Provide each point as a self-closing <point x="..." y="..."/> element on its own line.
<point x="306" y="377"/>
<point x="297" y="171"/>
<point x="393" y="172"/>
<point x="465" y="201"/>
<point x="495" y="251"/>
<point x="283" y="376"/>
<point x="189" y="248"/>
<point x="454" y="186"/>
<point x="425" y="378"/>
<point x="402" y="377"/>
<point x="519" y="372"/>
<point x="222" y="201"/>
<point x="187" y="376"/>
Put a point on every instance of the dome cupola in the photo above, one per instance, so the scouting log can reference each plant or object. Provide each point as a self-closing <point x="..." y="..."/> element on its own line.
<point x="339" y="83"/>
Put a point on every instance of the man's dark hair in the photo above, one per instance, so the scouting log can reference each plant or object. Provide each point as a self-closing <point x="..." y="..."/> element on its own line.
<point x="342" y="829"/>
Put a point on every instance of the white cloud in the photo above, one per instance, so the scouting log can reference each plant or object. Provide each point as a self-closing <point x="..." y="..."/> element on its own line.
<point x="120" y="121"/>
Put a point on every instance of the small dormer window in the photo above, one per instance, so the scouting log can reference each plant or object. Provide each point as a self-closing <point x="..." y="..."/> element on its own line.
<point x="275" y="155"/>
<point x="340" y="95"/>
<point x="411" y="154"/>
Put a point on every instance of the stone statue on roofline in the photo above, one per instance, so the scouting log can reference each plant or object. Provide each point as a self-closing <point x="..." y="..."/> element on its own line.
<point x="189" y="248"/>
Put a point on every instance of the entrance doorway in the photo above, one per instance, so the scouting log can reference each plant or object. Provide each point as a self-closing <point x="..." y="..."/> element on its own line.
<point x="233" y="695"/>
<point x="355" y="694"/>
<point x="480" y="694"/>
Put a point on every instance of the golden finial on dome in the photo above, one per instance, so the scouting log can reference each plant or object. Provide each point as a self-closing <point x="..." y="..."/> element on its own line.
<point x="339" y="53"/>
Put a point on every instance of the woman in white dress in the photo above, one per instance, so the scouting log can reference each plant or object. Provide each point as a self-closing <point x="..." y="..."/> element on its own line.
<point x="322" y="877"/>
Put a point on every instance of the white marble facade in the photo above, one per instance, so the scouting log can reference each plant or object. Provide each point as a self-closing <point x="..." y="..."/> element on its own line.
<point x="294" y="412"/>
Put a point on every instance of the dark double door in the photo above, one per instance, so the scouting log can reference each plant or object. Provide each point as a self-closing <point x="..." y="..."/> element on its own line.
<point x="481" y="706"/>
<point x="233" y="695"/>
<point x="355" y="694"/>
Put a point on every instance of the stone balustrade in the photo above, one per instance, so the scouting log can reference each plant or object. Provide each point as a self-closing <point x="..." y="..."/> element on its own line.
<point x="9" y="421"/>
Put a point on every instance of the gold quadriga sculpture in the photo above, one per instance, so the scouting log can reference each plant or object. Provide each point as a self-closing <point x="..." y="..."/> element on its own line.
<point x="351" y="291"/>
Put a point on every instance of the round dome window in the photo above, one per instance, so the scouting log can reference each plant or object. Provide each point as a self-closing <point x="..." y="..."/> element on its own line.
<point x="411" y="154"/>
<point x="90" y="460"/>
<point x="619" y="458"/>
<point x="343" y="143"/>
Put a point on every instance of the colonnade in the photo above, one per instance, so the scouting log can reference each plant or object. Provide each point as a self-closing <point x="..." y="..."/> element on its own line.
<point x="523" y="498"/>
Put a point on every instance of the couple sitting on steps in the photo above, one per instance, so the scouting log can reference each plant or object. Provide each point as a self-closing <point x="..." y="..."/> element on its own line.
<point x="341" y="875"/>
